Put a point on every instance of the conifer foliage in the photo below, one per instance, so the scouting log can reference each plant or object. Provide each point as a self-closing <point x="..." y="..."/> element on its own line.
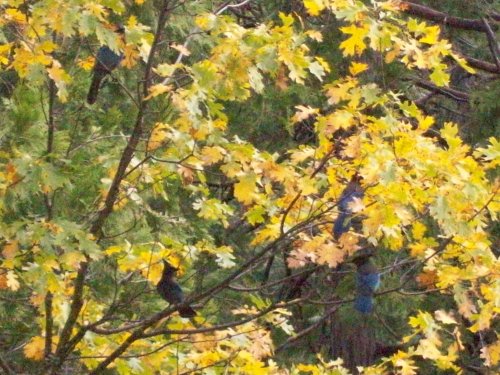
<point x="188" y="156"/>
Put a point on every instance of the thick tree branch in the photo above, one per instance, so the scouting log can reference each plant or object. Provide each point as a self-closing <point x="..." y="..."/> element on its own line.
<point x="63" y="348"/>
<point x="442" y="18"/>
<point x="459" y="96"/>
<point x="139" y="334"/>
<point x="76" y="306"/>
<point x="134" y="139"/>
<point x="222" y="326"/>
<point x="49" y="325"/>
<point x="482" y="65"/>
<point x="49" y="320"/>
<point x="492" y="43"/>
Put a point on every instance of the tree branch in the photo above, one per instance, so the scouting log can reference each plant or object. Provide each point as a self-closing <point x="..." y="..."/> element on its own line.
<point x="65" y="345"/>
<point x="134" y="139"/>
<point x="482" y="65"/>
<point x="492" y="43"/>
<point x="442" y="18"/>
<point x="459" y="96"/>
<point x="76" y="306"/>
<point x="142" y="326"/>
<point x="49" y="325"/>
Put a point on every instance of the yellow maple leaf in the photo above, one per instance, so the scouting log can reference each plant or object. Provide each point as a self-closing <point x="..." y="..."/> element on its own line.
<point x="86" y="64"/>
<point x="340" y="119"/>
<point x="186" y="173"/>
<point x="302" y="154"/>
<point x="354" y="45"/>
<point x="3" y="281"/>
<point x="269" y="232"/>
<point x="315" y="35"/>
<point x="10" y="249"/>
<point x="15" y="15"/>
<point x="181" y="48"/>
<point x="427" y="279"/>
<point x="444" y="317"/>
<point x="330" y="254"/>
<point x="244" y="189"/>
<point x="158" y="89"/>
<point x="404" y="363"/>
<point x="491" y="354"/>
<point x="311" y="369"/>
<point x="206" y="21"/>
<point x="307" y="186"/>
<point x="4" y="53"/>
<point x="131" y="56"/>
<point x="314" y="7"/>
<point x="425" y="122"/>
<point x="212" y="155"/>
<point x="34" y="349"/>
<point x="303" y="112"/>
<point x="463" y="63"/>
<point x="357" y="67"/>
<point x="72" y="259"/>
<point x="353" y="147"/>
<point x="12" y="282"/>
<point x="349" y="243"/>
<point x="439" y="76"/>
<point x="418" y="249"/>
<point x="418" y="230"/>
<point x="431" y="35"/>
<point x="158" y="136"/>
<point x="61" y="79"/>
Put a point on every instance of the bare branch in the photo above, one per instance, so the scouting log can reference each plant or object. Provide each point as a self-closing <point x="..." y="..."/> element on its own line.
<point x="442" y="18"/>
<point x="459" y="96"/>
<point x="483" y="65"/>
<point x="492" y="43"/>
<point x="49" y="325"/>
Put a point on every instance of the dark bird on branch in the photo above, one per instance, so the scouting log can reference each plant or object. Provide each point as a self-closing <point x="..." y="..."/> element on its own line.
<point x="106" y="61"/>
<point x="367" y="282"/>
<point x="171" y="291"/>
<point x="343" y="222"/>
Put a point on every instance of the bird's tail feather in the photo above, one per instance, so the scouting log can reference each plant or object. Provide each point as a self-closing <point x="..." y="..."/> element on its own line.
<point x="341" y="225"/>
<point x="94" y="87"/>
<point x="187" y="312"/>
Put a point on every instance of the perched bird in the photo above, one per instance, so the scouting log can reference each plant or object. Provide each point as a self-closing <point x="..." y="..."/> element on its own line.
<point x="171" y="291"/>
<point x="343" y="222"/>
<point x="367" y="282"/>
<point x="106" y="61"/>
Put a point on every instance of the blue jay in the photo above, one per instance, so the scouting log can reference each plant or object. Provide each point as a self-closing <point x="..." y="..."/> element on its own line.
<point x="343" y="222"/>
<point x="367" y="282"/>
<point x="171" y="291"/>
<point x="106" y="61"/>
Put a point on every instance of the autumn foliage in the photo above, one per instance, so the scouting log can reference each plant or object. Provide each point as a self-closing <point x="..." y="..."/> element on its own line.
<point x="173" y="162"/>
